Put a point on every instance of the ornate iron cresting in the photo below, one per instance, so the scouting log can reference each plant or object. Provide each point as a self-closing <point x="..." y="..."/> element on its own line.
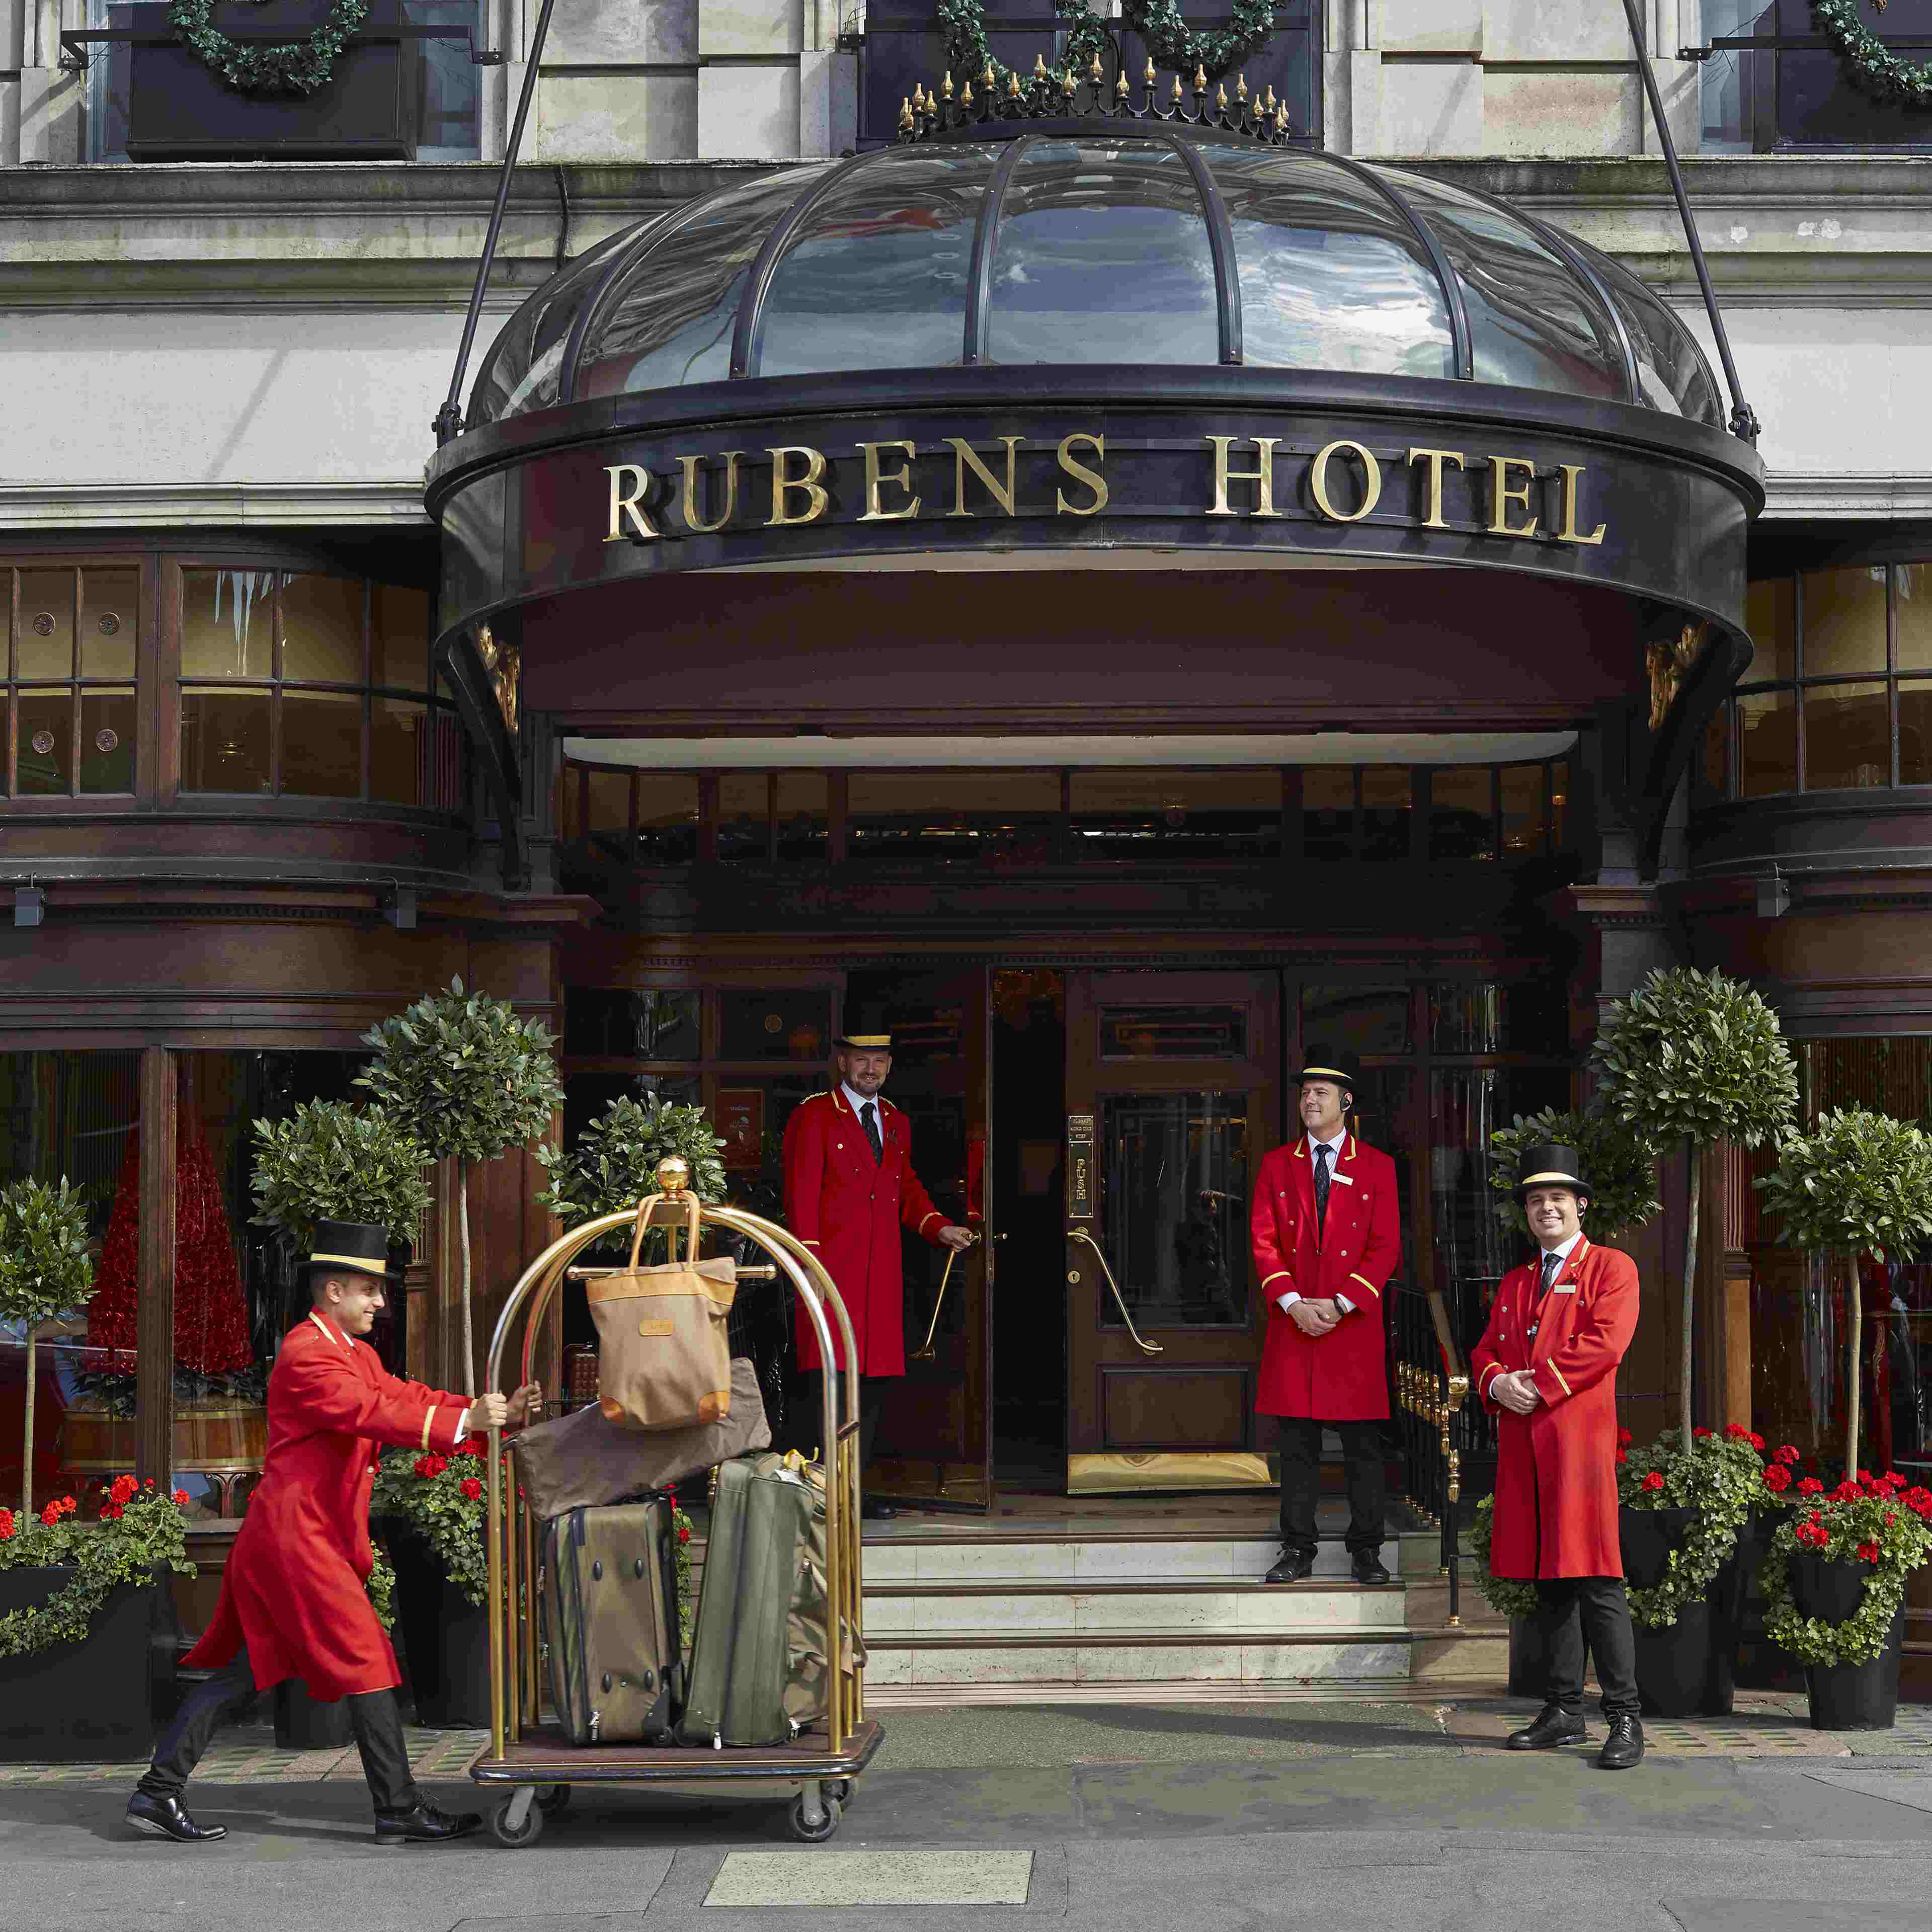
<point x="1045" y="95"/>
<point x="1431" y="1386"/>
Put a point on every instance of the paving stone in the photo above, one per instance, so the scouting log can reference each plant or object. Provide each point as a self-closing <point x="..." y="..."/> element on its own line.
<point x="904" y="1876"/>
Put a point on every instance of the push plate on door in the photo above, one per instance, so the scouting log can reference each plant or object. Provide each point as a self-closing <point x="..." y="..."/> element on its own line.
<point x="1079" y="1165"/>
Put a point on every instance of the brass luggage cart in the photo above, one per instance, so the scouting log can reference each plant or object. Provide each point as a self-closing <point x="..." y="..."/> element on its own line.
<point x="531" y="1760"/>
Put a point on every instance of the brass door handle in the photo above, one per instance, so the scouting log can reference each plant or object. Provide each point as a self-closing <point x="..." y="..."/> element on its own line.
<point x="927" y="1350"/>
<point x="1146" y="1347"/>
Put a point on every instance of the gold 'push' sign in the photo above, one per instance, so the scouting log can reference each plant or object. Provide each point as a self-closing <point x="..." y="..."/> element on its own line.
<point x="1344" y="481"/>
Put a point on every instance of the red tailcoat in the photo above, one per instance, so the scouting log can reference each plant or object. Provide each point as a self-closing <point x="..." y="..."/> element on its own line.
<point x="1556" y="1469"/>
<point x="292" y="1591"/>
<point x="847" y="1207"/>
<point x="1341" y="1376"/>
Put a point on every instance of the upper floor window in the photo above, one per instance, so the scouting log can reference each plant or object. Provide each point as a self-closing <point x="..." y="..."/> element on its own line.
<point x="73" y="637"/>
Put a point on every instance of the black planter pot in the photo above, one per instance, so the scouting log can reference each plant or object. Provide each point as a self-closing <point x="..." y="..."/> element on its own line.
<point x="1729" y="1590"/>
<point x="1761" y="1665"/>
<point x="1846" y="1696"/>
<point x="446" y="1638"/>
<point x="303" y="1722"/>
<point x="1528" y="1660"/>
<point x="77" y="1701"/>
<point x="1673" y="1663"/>
<point x="1647" y="1537"/>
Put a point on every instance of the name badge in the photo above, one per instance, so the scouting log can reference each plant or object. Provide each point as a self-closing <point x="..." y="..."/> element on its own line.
<point x="1570" y="1288"/>
<point x="1346" y="1179"/>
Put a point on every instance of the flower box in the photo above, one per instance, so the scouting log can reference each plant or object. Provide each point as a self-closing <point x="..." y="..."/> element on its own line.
<point x="1846" y="1696"/>
<point x="74" y="1701"/>
<point x="180" y="110"/>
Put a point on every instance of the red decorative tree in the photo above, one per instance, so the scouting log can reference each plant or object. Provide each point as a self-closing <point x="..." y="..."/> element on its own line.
<point x="211" y="1311"/>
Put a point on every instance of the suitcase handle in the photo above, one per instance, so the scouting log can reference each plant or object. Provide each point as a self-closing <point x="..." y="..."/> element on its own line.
<point x="648" y="1206"/>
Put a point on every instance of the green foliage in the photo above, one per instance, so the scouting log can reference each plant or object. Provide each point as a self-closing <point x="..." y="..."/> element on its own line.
<point x="44" y="1269"/>
<point x="336" y="1161"/>
<point x="260" y="67"/>
<point x="1507" y="1596"/>
<point x="1168" y="38"/>
<point x="614" y="1165"/>
<point x="1618" y="1162"/>
<point x="1721" y="1477"/>
<point x="1859" y="1181"/>
<point x="1867" y="1522"/>
<point x="464" y="1074"/>
<point x="1696" y="1056"/>
<point x="443" y="1499"/>
<point x="1879" y="72"/>
<point x="137" y="1531"/>
<point x="381" y="1586"/>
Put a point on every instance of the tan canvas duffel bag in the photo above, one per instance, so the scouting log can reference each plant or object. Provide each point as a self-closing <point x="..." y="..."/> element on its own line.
<point x="664" y="1353"/>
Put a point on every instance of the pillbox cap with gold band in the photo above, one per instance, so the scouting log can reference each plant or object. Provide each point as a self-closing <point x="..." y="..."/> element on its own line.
<point x="348" y="1247"/>
<point x="1548" y="1164"/>
<point x="1329" y="1063"/>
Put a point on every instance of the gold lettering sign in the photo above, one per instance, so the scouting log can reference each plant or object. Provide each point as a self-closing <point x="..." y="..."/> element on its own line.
<point x="899" y="478"/>
<point x="1572" y="475"/>
<point x="965" y="457"/>
<point x="1503" y="493"/>
<point x="783" y="486"/>
<point x="629" y="484"/>
<point x="693" y="522"/>
<point x="1262" y="475"/>
<point x="1318" y="482"/>
<point x="1431" y="517"/>
<point x="1079" y="471"/>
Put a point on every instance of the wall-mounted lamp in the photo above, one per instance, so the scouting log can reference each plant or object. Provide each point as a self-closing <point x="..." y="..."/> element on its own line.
<point x="29" y="902"/>
<point x="1773" y="897"/>
<point x="399" y="908"/>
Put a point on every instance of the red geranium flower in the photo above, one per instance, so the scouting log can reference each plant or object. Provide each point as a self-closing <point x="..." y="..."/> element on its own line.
<point x="1810" y="1486"/>
<point x="1653" y="1481"/>
<point x="472" y="1488"/>
<point x="180" y="1499"/>
<point x="123" y="1489"/>
<point x="112" y="1513"/>
<point x="1918" y="1500"/>
<point x="1625" y="1438"/>
<point x="1737" y="1431"/>
<point x="149" y="1483"/>
<point x="1787" y="1452"/>
<point x="1623" y="1455"/>
<point x="1777" y="1477"/>
<point x="1696" y="1433"/>
<point x="6" y="1524"/>
<point x="474" y="1445"/>
<point x="683" y="1534"/>
<point x="1756" y="1440"/>
<point x="1869" y="1552"/>
<point x="1847" y="1492"/>
<point x="1891" y="1517"/>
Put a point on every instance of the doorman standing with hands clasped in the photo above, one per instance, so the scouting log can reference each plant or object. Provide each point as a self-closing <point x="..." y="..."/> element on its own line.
<point x="1326" y="1232"/>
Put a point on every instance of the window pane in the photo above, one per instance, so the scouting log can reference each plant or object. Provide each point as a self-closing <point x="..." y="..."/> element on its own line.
<point x="1530" y="1016"/>
<point x="789" y="1025"/>
<point x="1522" y="810"/>
<point x="1364" y="1019"/>
<point x="398" y="750"/>
<point x="225" y="741"/>
<point x="321" y="745"/>
<point x="321" y="629"/>
<point x="1914" y="617"/>
<point x="226" y="623"/>
<point x="45" y="755"/>
<point x="1328" y="812"/>
<point x="110" y="624"/>
<point x="666" y="818"/>
<point x="950" y="814"/>
<point x="1844" y="621"/>
<point x="1234" y="814"/>
<point x="1767" y="744"/>
<point x="1847" y="737"/>
<point x="1771" y="615"/>
<point x="639" y="1026"/>
<point x="1712" y="756"/>
<point x="1388" y="798"/>
<point x="1559" y="801"/>
<point x="804" y="815"/>
<point x="610" y="803"/>
<point x="446" y="760"/>
<point x="45" y="646"/>
<point x="1461" y="824"/>
<point x="1915" y="732"/>
<point x="1176" y="1207"/>
<point x="399" y="638"/>
<point x="1173" y="1032"/>
<point x="744" y="804"/>
<point x="107" y="740"/>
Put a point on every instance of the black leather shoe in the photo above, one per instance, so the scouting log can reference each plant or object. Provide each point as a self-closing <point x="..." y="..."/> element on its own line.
<point x="1367" y="1567"/>
<point x="164" y="1818"/>
<point x="877" y="1512"/>
<point x="1554" y="1727"/>
<point x="423" y="1824"/>
<point x="1623" y="1749"/>
<point x="1290" y="1567"/>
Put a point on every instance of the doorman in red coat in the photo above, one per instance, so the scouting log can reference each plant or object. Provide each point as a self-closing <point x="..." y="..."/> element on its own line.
<point x="293" y="1603"/>
<point x="1547" y="1365"/>
<point x="1327" y="1231"/>
<point x="849" y="1187"/>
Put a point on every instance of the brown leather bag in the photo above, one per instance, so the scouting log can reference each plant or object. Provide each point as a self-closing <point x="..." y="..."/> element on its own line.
<point x="665" y="1355"/>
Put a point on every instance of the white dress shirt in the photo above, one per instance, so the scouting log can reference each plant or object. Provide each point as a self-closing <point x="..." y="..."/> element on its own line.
<point x="1286" y="1302"/>
<point x="858" y="1103"/>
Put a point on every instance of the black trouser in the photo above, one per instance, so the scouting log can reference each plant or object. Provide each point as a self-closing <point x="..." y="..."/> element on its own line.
<point x="1299" y="1441"/>
<point x="1572" y="1612"/>
<point x="868" y="1413"/>
<point x="222" y="1698"/>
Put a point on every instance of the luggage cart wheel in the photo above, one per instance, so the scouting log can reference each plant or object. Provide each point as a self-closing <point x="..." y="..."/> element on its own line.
<point x="840" y="1788"/>
<point x="552" y="1798"/>
<point x="813" y="1832"/>
<point x="518" y="1821"/>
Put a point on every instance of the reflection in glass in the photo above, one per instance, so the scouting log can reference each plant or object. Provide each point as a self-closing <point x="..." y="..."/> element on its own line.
<point x="1847" y="737"/>
<point x="1844" y="621"/>
<point x="44" y="758"/>
<point x="1771" y="615"/>
<point x="1331" y="277"/>
<point x="783" y="1025"/>
<point x="1230" y="813"/>
<point x="1767" y="743"/>
<point x="1672" y="373"/>
<point x="804" y="815"/>
<point x="1363" y="1019"/>
<point x="399" y="638"/>
<point x="744" y="815"/>
<point x="520" y="371"/>
<point x="1522" y="810"/>
<point x="107" y="740"/>
<point x="398" y="750"/>
<point x="43" y="642"/>
<point x="951" y="815"/>
<point x="226" y="627"/>
<point x="1388" y="800"/>
<point x="1527" y="1016"/>
<point x="1328" y="812"/>
<point x="321" y="629"/>
<point x="1913" y="603"/>
<point x="1915" y="732"/>
<point x="631" y="1025"/>
<point x="667" y="824"/>
<point x="1461" y="823"/>
<point x="1102" y="256"/>
<point x="224" y="741"/>
<point x="321" y="744"/>
<point x="1173" y="1032"/>
<point x="110" y="622"/>
<point x="1175" y="1176"/>
<point x="1559" y="802"/>
<point x="876" y="278"/>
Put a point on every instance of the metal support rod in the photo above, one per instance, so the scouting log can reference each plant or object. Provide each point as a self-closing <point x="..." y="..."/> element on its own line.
<point x="448" y="425"/>
<point x="1744" y="419"/>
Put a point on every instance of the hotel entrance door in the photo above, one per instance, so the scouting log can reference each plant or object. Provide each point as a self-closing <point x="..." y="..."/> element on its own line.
<point x="1171" y="1099"/>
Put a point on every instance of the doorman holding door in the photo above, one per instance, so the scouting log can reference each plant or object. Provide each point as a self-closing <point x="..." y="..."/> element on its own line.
<point x="849" y="1186"/>
<point x="1326" y="1232"/>
<point x="1547" y="1364"/>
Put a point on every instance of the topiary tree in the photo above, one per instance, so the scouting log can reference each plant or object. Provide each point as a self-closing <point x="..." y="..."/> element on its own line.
<point x="1694" y="1058"/>
<point x="470" y="1081"/>
<point x="1618" y="1162"/>
<point x="44" y="1271"/>
<point x="1859" y="1182"/>
<point x="614" y="1165"/>
<point x="334" y="1161"/>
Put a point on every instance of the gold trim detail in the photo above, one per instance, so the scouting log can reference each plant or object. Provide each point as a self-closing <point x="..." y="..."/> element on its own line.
<point x="361" y="1262"/>
<point x="931" y="1214"/>
<point x="1121" y="1472"/>
<point x="1322" y="1072"/>
<point x="1279" y="1274"/>
<point x="1366" y="1282"/>
<point x="1569" y="1181"/>
<point x="1559" y="1374"/>
<point x="429" y="1422"/>
<point x="867" y="1042"/>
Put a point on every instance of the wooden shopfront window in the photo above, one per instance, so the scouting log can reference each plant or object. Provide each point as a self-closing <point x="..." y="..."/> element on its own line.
<point x="72" y="666"/>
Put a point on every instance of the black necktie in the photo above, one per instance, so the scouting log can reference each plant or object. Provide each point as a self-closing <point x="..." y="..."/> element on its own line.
<point x="869" y="1114"/>
<point x="1552" y="1263"/>
<point x="1324" y="1154"/>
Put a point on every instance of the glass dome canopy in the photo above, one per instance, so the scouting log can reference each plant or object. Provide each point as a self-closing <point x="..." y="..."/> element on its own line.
<point x="1085" y="246"/>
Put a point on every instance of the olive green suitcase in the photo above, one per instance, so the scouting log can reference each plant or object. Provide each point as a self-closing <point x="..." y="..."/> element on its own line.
<point x="608" y="1597"/>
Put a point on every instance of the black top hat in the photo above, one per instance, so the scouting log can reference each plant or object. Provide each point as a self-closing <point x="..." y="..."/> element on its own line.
<point x="866" y="1028"/>
<point x="1329" y="1063"/>
<point x="1548" y="1165"/>
<point x="349" y="1247"/>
